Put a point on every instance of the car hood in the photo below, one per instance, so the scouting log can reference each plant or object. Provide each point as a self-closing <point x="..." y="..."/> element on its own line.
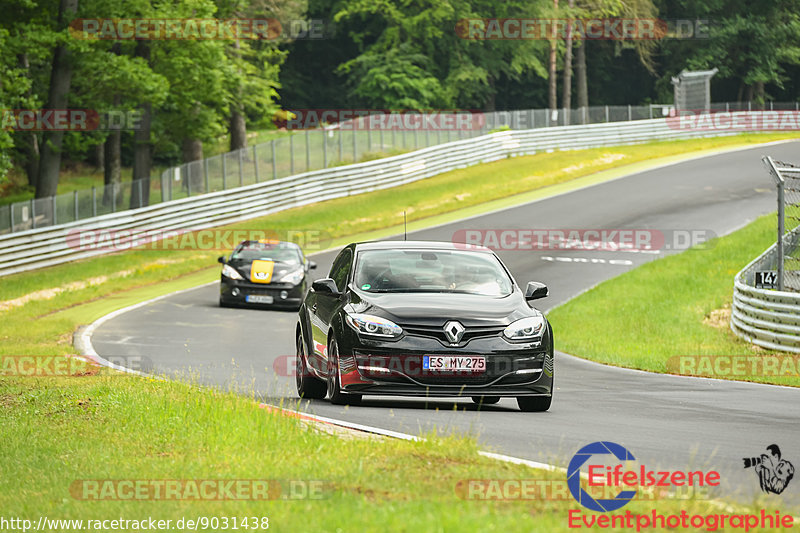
<point x="434" y="309"/>
<point x="243" y="267"/>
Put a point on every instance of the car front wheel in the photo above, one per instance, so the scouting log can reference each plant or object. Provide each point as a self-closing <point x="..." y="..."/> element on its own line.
<point x="534" y="404"/>
<point x="307" y="385"/>
<point x="335" y="394"/>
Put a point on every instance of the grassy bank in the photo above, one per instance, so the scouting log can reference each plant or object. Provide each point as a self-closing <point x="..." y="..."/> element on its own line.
<point x="103" y="425"/>
<point x="675" y="306"/>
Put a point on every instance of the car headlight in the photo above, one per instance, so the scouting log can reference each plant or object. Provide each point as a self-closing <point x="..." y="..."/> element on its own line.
<point x="294" y="277"/>
<point x="373" y="325"/>
<point x="525" y="329"/>
<point x="230" y="272"/>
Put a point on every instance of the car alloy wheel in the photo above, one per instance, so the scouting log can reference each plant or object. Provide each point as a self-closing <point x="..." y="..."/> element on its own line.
<point x="335" y="394"/>
<point x="307" y="385"/>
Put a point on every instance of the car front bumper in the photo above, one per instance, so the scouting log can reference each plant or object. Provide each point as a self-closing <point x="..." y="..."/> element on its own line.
<point x="396" y="368"/>
<point x="284" y="295"/>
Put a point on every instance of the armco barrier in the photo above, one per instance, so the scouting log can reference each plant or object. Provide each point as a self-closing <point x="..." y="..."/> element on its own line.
<point x="38" y="248"/>
<point x="765" y="317"/>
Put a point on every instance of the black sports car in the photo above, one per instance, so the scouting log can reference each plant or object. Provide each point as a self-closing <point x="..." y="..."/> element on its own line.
<point x="264" y="273"/>
<point x="423" y="319"/>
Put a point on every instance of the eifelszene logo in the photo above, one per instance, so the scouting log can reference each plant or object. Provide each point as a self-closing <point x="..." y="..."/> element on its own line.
<point x="593" y="457"/>
<point x="774" y="473"/>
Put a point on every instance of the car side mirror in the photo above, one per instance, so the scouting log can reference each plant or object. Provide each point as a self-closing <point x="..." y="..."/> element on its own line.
<point x="325" y="286"/>
<point x="312" y="265"/>
<point x="536" y="290"/>
<point x="221" y="259"/>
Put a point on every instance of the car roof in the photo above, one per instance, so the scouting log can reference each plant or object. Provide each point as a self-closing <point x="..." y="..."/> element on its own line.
<point x="420" y="245"/>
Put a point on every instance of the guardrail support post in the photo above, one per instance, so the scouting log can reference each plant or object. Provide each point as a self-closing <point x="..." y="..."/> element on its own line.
<point x="324" y="148"/>
<point x="114" y="197"/>
<point x="33" y="214"/>
<point x="205" y="174"/>
<point x="94" y="200"/>
<point x="53" y="202"/>
<point x="139" y="185"/>
<point x="355" y="147"/>
<point x="274" y="164"/>
<point x="11" y="214"/>
<point x="341" y="144"/>
<point x="75" y="199"/>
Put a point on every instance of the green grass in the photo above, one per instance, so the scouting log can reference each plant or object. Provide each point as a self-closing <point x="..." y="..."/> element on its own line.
<point x="675" y="306"/>
<point x="59" y="431"/>
<point x="106" y="425"/>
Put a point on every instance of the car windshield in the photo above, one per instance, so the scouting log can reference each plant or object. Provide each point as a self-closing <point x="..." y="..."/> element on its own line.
<point x="431" y="271"/>
<point x="268" y="252"/>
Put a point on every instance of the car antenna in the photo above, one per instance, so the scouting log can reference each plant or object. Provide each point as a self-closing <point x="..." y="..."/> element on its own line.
<point x="405" y="230"/>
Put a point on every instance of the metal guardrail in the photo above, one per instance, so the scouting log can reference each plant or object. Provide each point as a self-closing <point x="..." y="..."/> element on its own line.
<point x="305" y="151"/>
<point x="765" y="317"/>
<point x="43" y="247"/>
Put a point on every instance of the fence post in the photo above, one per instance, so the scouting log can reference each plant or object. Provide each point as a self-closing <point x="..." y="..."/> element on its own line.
<point x="291" y="154"/>
<point x="324" y="148"/>
<point x="224" y="172"/>
<point x="75" y="199"/>
<point x="11" y="214"/>
<point x="355" y="147"/>
<point x="341" y="143"/>
<point x="255" y="161"/>
<point x="776" y="175"/>
<point x="780" y="234"/>
<point x="369" y="138"/>
<point x="274" y="165"/>
<point x="188" y="180"/>
<point x="630" y="116"/>
<point x="94" y="200"/>
<point x="139" y="185"/>
<point x="241" y="168"/>
<point x="308" y="154"/>
<point x="606" y="113"/>
<point x="205" y="175"/>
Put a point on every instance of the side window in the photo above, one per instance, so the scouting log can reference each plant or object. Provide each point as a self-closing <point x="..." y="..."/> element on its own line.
<point x="341" y="268"/>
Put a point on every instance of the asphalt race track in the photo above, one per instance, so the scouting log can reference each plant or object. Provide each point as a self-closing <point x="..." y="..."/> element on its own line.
<point x="665" y="421"/>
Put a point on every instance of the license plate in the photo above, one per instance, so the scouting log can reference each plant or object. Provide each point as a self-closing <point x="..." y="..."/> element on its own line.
<point x="460" y="363"/>
<point x="258" y="298"/>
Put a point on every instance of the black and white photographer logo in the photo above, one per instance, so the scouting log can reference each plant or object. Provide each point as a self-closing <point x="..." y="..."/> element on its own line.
<point x="774" y="473"/>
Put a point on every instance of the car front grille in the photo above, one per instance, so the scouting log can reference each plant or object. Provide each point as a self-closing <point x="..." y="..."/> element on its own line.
<point x="437" y="332"/>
